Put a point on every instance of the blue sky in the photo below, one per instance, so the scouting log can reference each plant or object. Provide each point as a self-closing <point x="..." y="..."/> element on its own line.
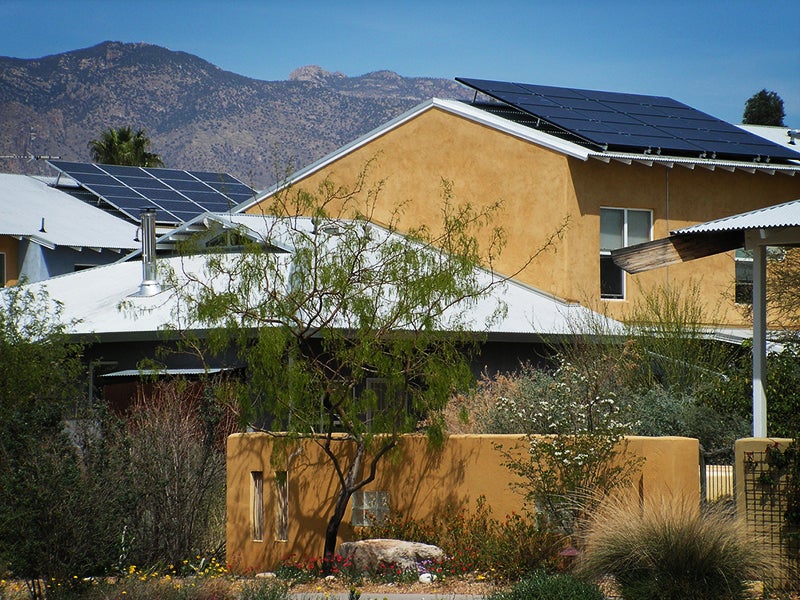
<point x="711" y="54"/>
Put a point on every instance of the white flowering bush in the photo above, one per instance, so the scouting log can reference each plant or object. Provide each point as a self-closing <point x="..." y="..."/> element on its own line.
<point x="575" y="450"/>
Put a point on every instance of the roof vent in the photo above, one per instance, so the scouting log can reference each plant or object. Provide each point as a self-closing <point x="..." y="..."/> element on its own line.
<point x="149" y="285"/>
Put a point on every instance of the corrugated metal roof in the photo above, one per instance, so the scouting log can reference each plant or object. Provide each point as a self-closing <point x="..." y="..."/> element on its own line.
<point x="31" y="209"/>
<point x="139" y="372"/>
<point x="708" y="163"/>
<point x="780" y="215"/>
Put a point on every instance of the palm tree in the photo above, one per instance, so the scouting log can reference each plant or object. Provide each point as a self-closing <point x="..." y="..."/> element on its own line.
<point x="124" y="147"/>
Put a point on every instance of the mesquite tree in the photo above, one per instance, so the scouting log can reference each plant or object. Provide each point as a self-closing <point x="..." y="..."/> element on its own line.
<point x="324" y="304"/>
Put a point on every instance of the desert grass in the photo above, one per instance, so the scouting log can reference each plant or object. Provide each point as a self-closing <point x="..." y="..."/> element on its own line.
<point x="671" y="550"/>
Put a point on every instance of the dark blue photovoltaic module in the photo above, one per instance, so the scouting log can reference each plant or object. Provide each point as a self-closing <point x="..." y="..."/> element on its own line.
<point x="176" y="195"/>
<point x="633" y="122"/>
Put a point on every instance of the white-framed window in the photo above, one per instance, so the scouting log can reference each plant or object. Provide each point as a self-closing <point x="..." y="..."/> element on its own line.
<point x="369" y="507"/>
<point x="620" y="227"/>
<point x="281" y="506"/>
<point x="257" y="505"/>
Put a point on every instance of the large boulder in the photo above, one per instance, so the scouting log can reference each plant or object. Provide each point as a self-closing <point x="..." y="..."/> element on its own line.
<point x="367" y="555"/>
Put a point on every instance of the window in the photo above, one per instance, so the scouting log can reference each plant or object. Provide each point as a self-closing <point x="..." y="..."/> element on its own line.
<point x="2" y="269"/>
<point x="369" y="508"/>
<point x="619" y="227"/>
<point x="257" y="505"/>
<point x="743" y="261"/>
<point x="281" y="506"/>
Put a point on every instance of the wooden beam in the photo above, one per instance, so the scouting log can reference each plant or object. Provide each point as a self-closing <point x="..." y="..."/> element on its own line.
<point x="675" y="249"/>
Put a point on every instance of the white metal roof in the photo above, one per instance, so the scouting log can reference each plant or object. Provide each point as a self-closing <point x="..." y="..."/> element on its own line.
<point x="101" y="301"/>
<point x="31" y="209"/>
<point x="778" y="134"/>
<point x="780" y="215"/>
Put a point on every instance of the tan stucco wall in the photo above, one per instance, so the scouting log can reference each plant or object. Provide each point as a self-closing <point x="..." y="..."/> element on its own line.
<point x="539" y="188"/>
<point x="9" y="246"/>
<point x="420" y="481"/>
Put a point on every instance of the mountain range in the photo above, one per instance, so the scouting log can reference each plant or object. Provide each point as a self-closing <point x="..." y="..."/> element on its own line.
<point x="198" y="116"/>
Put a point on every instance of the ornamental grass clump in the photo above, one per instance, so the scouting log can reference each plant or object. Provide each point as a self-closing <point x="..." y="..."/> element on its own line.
<point x="673" y="551"/>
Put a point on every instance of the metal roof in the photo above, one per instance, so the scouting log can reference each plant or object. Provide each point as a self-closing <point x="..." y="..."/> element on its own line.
<point x="31" y="209"/>
<point x="101" y="300"/>
<point x="780" y="215"/>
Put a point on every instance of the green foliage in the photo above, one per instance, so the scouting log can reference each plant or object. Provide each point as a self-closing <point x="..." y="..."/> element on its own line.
<point x="673" y="551"/>
<point x="475" y="541"/>
<point x="344" y="332"/>
<point x="670" y="341"/>
<point x="124" y="147"/>
<point x="544" y="586"/>
<point x="658" y="412"/>
<point x="265" y="589"/>
<point x="575" y="450"/>
<point x="52" y="472"/>
<point x="734" y="395"/>
<point x="764" y="108"/>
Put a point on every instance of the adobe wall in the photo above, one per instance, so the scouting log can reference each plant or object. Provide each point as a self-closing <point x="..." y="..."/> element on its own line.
<point x="420" y="482"/>
<point x="539" y="188"/>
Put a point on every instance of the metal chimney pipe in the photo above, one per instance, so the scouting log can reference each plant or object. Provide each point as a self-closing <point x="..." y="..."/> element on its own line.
<point x="149" y="285"/>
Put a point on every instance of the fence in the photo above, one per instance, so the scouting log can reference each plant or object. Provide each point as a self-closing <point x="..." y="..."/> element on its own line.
<point x="716" y="476"/>
<point x="763" y="498"/>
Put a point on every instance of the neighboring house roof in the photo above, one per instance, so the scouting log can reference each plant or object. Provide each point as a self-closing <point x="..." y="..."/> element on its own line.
<point x="517" y="128"/>
<point x="103" y="302"/>
<point x="781" y="215"/>
<point x="31" y="209"/>
<point x="776" y="134"/>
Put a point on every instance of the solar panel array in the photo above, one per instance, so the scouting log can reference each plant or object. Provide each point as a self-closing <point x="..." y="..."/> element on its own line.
<point x="177" y="196"/>
<point x="634" y="122"/>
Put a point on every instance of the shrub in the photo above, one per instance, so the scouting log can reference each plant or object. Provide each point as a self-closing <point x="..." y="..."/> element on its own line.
<point x="672" y="551"/>
<point x="476" y="541"/>
<point x="542" y="586"/>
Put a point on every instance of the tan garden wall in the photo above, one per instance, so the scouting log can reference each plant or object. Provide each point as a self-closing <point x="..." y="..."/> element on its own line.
<point x="420" y="482"/>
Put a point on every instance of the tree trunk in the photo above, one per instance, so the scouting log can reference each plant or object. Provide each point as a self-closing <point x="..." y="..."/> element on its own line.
<point x="348" y="486"/>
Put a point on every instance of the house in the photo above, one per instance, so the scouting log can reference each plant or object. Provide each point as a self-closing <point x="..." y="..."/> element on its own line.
<point x="620" y="168"/>
<point x="46" y="232"/>
<point x="88" y="215"/>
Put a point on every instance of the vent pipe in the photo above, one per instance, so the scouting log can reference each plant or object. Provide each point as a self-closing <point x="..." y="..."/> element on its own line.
<point x="149" y="285"/>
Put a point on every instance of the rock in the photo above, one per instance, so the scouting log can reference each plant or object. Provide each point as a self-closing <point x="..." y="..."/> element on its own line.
<point x="427" y="578"/>
<point x="267" y="575"/>
<point x="366" y="555"/>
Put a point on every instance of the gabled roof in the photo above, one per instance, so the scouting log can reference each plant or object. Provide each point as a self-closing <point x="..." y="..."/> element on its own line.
<point x="103" y="300"/>
<point x="31" y="209"/>
<point x="513" y="125"/>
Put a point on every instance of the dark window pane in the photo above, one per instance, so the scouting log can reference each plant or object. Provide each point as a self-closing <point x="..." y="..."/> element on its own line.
<point x="611" y="279"/>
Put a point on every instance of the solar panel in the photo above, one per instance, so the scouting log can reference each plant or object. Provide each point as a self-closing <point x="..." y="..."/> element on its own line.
<point x="633" y="122"/>
<point x="176" y="195"/>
